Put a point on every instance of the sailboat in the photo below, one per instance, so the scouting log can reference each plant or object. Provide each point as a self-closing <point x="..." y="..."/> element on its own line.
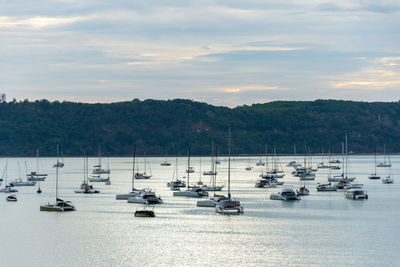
<point x="19" y="181"/>
<point x="374" y="175"/>
<point x="190" y="191"/>
<point x="7" y="188"/>
<point x="97" y="168"/>
<point x="385" y="163"/>
<point x="294" y="163"/>
<point x="248" y="168"/>
<point x="60" y="205"/>
<point x="177" y="183"/>
<point x="213" y="187"/>
<point x="388" y="179"/>
<point x="139" y="175"/>
<point x="226" y="205"/>
<point x="86" y="188"/>
<point x="343" y="179"/>
<point x="322" y="165"/>
<point x="211" y="172"/>
<point x="134" y="191"/>
<point x="165" y="162"/>
<point x="36" y="176"/>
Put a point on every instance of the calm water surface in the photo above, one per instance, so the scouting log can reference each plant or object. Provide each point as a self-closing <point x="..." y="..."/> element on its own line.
<point x="321" y="229"/>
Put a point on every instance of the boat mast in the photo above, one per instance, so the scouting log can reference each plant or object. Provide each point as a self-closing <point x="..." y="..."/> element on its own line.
<point x="188" y="166"/>
<point x="229" y="163"/>
<point x="375" y="160"/>
<point x="133" y="166"/>
<point x="99" y="157"/>
<point x="37" y="161"/>
<point x="215" y="169"/>
<point x="56" y="176"/>
<point x="266" y="159"/>
<point x="346" y="156"/>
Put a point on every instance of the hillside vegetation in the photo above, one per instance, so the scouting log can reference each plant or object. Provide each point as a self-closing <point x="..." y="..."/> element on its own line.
<point x="157" y="125"/>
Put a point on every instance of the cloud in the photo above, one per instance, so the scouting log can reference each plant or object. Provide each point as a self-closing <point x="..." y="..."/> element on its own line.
<point x="247" y="88"/>
<point x="38" y="22"/>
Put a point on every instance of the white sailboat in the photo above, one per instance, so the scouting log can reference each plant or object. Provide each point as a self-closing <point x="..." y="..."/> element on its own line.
<point x="165" y="162"/>
<point x="211" y="172"/>
<point x="36" y="176"/>
<point x="226" y="205"/>
<point x="20" y="182"/>
<point x="213" y="187"/>
<point x="385" y="163"/>
<point x="7" y="188"/>
<point x="177" y="183"/>
<point x="190" y="191"/>
<point x="85" y="187"/>
<point x="134" y="191"/>
<point x="388" y="179"/>
<point x="97" y="168"/>
<point x="60" y="205"/>
<point x="143" y="175"/>
<point x="374" y="175"/>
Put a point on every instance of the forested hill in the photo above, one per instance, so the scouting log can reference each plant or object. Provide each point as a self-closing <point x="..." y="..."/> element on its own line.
<point x="174" y="124"/>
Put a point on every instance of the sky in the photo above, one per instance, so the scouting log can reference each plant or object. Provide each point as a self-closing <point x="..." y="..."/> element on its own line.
<point x="226" y="52"/>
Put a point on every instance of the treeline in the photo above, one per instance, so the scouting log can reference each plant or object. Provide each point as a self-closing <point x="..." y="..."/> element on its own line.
<point x="173" y="125"/>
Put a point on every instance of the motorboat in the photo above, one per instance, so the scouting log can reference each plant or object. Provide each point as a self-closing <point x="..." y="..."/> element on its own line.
<point x="387" y="180"/>
<point x="302" y="191"/>
<point x="191" y="192"/>
<point x="209" y="173"/>
<point x="19" y="182"/>
<point x="326" y="187"/>
<point x="59" y="206"/>
<point x="87" y="189"/>
<point x="248" y="168"/>
<point x="260" y="163"/>
<point x="334" y="167"/>
<point x="142" y="176"/>
<point x="265" y="183"/>
<point x="293" y="164"/>
<point x="8" y="189"/>
<point x="225" y="205"/>
<point x="208" y="188"/>
<point x="285" y="194"/>
<point x="307" y="177"/>
<point x="165" y="163"/>
<point x="98" y="179"/>
<point x="190" y="170"/>
<point x="145" y="197"/>
<point x="145" y="213"/>
<point x="373" y="176"/>
<point x="176" y="183"/>
<point x="33" y="176"/>
<point x="11" y="198"/>
<point x="355" y="191"/>
<point x="321" y="165"/>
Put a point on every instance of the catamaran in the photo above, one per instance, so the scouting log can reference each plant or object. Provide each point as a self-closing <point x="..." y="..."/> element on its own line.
<point x="190" y="191"/>
<point x="226" y="205"/>
<point x="97" y="168"/>
<point x="60" y="205"/>
<point x="36" y="176"/>
<point x="86" y="188"/>
<point x="134" y="191"/>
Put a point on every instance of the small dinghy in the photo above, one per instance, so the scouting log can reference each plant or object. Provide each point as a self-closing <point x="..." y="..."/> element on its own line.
<point x="12" y="198"/>
<point x="144" y="213"/>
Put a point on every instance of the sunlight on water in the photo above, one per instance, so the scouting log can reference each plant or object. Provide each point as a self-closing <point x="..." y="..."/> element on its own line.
<point x="323" y="228"/>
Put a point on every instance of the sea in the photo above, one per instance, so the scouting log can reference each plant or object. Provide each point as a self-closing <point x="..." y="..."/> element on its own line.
<point x="322" y="229"/>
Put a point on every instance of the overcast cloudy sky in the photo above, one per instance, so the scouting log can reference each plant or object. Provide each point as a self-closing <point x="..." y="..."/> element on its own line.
<point x="224" y="52"/>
